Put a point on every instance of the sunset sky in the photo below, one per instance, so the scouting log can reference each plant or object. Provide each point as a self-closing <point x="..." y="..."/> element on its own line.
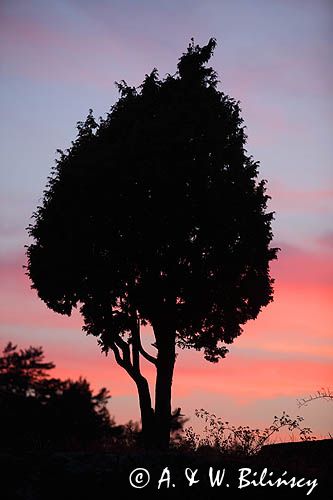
<point x="58" y="59"/>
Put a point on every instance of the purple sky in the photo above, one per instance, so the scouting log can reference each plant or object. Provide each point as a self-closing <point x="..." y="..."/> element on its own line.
<point x="58" y="59"/>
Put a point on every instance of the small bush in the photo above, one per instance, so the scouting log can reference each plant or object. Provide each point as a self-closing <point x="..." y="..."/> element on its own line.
<point x="227" y="439"/>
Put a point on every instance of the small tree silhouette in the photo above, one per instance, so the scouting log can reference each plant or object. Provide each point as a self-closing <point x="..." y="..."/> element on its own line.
<point x="156" y="215"/>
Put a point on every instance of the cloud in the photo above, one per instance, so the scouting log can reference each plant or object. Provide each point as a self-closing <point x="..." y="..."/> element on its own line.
<point x="287" y="199"/>
<point x="20" y="305"/>
<point x="299" y="73"/>
<point x="302" y="267"/>
<point x="250" y="378"/>
<point x="325" y="241"/>
<point x="72" y="53"/>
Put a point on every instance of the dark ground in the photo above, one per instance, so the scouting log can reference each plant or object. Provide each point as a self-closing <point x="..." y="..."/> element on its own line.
<point x="104" y="475"/>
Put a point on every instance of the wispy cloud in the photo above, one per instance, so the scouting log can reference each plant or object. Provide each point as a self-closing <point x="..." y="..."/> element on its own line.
<point x="290" y="199"/>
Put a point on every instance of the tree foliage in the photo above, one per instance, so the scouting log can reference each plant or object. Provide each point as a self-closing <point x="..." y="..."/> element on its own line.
<point x="158" y="208"/>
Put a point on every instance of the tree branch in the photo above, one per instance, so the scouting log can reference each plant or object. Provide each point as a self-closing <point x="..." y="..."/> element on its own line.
<point x="135" y="330"/>
<point x="320" y="394"/>
<point x="146" y="355"/>
<point x="137" y="347"/>
<point x="119" y="342"/>
<point x="124" y="361"/>
<point x="119" y="359"/>
<point x="141" y="350"/>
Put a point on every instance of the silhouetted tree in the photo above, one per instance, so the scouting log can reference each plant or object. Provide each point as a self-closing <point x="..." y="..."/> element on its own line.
<point x="20" y="371"/>
<point x="76" y="415"/>
<point x="156" y="215"/>
<point x="40" y="411"/>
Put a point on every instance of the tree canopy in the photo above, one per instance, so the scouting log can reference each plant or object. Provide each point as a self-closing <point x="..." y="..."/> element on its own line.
<point x="156" y="215"/>
<point x="41" y="411"/>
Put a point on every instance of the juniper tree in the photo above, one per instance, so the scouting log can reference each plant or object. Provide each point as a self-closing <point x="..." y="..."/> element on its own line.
<point x="156" y="215"/>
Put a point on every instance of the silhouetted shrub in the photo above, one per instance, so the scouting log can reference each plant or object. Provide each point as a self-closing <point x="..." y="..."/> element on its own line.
<point x="222" y="437"/>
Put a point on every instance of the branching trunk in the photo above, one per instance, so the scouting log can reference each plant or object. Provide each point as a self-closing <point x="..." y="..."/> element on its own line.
<point x="165" y="366"/>
<point x="147" y="413"/>
<point x="155" y="424"/>
<point x="128" y="357"/>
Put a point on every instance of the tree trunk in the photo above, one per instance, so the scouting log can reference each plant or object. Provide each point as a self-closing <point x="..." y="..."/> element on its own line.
<point x="165" y="340"/>
<point x="147" y="412"/>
